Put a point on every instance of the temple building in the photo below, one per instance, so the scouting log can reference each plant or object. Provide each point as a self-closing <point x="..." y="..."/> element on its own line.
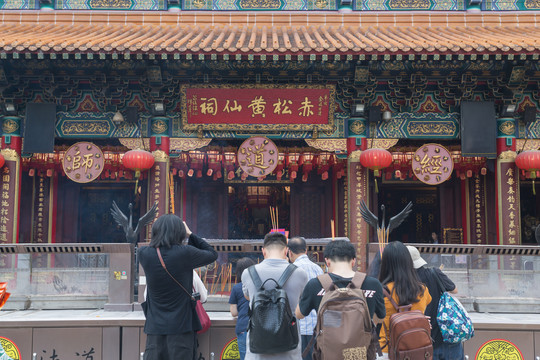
<point x="263" y="119"/>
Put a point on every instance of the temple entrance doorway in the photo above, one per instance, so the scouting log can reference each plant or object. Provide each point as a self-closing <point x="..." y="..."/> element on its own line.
<point x="250" y="210"/>
<point x="219" y="210"/>
<point x="424" y="218"/>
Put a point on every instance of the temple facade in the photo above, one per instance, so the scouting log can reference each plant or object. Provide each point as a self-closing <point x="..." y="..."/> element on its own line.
<point x="258" y="120"/>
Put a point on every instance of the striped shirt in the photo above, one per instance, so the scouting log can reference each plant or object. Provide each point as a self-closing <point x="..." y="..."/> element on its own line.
<point x="313" y="270"/>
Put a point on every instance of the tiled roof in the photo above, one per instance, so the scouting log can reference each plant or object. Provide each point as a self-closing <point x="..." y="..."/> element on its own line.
<point x="269" y="33"/>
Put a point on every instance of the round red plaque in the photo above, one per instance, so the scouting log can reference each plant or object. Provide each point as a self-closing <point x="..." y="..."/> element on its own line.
<point x="83" y="162"/>
<point x="432" y="164"/>
<point x="258" y="156"/>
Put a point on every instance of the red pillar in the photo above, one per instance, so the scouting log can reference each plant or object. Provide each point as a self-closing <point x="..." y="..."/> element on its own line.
<point x="158" y="177"/>
<point x="507" y="186"/>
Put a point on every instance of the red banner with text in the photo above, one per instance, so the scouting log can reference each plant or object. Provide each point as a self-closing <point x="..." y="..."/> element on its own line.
<point x="296" y="108"/>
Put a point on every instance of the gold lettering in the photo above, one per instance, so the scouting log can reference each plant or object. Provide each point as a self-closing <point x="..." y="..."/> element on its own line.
<point x="257" y="105"/>
<point x="305" y="109"/>
<point x="236" y="107"/>
<point x="282" y="107"/>
<point x="209" y="106"/>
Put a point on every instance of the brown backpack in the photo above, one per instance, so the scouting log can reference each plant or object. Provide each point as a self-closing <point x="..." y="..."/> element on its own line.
<point x="408" y="336"/>
<point x="344" y="328"/>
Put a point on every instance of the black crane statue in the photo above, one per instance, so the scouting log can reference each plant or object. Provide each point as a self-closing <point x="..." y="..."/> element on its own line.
<point x="383" y="232"/>
<point x="127" y="224"/>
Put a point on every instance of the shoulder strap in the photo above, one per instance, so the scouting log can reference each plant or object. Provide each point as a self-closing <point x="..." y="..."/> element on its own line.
<point x="255" y="277"/>
<point x="172" y="277"/>
<point x="286" y="275"/>
<point x="439" y="282"/>
<point x="326" y="281"/>
<point x="392" y="301"/>
<point x="357" y="280"/>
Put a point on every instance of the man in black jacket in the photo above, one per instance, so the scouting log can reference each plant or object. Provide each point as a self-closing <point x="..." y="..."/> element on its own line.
<point x="171" y="321"/>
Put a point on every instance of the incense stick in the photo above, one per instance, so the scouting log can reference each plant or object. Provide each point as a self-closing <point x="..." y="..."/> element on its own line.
<point x="333" y="229"/>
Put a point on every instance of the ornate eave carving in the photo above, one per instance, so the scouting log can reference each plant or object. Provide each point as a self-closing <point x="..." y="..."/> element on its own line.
<point x="334" y="145"/>
<point x="186" y="144"/>
<point x="381" y="143"/>
<point x="527" y="144"/>
<point x="176" y="144"/>
<point x="135" y="143"/>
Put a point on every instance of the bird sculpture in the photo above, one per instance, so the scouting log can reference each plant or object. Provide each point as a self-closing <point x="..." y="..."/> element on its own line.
<point x="127" y="224"/>
<point x="382" y="231"/>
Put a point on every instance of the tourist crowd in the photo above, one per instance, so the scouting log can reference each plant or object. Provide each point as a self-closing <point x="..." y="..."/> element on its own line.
<point x="287" y="308"/>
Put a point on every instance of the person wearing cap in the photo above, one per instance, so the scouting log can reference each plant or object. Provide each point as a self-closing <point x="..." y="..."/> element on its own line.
<point x="441" y="350"/>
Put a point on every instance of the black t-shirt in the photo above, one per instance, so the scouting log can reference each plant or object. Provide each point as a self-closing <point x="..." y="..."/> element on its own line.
<point x="426" y="276"/>
<point x="313" y="293"/>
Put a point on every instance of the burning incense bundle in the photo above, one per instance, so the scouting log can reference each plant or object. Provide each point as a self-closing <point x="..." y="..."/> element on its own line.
<point x="274" y="218"/>
<point x="333" y="229"/>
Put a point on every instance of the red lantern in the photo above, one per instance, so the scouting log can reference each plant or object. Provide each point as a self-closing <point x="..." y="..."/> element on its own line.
<point x="292" y="163"/>
<point x="376" y="159"/>
<point x="214" y="163"/>
<point x="529" y="161"/>
<point x="229" y="161"/>
<point x="197" y="162"/>
<point x="2" y="160"/>
<point x="137" y="160"/>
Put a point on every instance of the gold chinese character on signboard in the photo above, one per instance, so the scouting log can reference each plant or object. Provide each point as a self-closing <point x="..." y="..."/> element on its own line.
<point x="236" y="107"/>
<point x="510" y="172"/>
<point x="87" y="162"/>
<point x="257" y="105"/>
<point x="432" y="164"/>
<point x="282" y="107"/>
<point x="306" y="108"/>
<point x="209" y="106"/>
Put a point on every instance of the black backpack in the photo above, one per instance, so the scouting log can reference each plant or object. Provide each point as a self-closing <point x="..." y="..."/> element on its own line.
<point x="272" y="325"/>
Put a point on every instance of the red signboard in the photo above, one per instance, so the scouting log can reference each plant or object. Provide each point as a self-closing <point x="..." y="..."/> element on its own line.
<point x="248" y="107"/>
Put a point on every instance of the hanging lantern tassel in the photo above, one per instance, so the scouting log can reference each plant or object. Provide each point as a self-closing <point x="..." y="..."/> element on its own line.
<point x="137" y="176"/>
<point x="533" y="176"/>
<point x="376" y="173"/>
